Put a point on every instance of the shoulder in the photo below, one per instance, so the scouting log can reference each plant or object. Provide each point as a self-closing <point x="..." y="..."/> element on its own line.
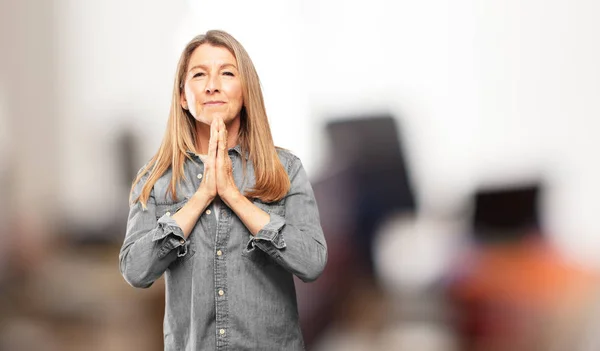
<point x="286" y="154"/>
<point x="144" y="173"/>
<point x="288" y="159"/>
<point x="142" y="176"/>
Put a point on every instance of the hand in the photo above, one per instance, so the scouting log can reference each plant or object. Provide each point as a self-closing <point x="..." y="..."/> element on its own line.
<point x="208" y="185"/>
<point x="226" y="187"/>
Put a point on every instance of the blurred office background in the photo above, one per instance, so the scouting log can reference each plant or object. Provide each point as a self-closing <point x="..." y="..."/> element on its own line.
<point x="453" y="149"/>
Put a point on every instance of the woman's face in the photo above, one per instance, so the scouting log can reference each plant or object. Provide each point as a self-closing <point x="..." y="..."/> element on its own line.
<point x="212" y="85"/>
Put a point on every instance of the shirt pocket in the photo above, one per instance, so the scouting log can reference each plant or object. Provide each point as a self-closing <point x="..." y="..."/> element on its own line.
<point x="277" y="208"/>
<point x="171" y="209"/>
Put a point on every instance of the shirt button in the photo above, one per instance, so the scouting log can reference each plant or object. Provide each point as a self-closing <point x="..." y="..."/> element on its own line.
<point x="199" y="175"/>
<point x="219" y="252"/>
<point x="222" y="331"/>
<point x="221" y="292"/>
<point x="182" y="241"/>
<point x="208" y="212"/>
<point x="168" y="213"/>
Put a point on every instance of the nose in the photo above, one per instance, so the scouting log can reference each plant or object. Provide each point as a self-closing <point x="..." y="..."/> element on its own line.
<point x="212" y="84"/>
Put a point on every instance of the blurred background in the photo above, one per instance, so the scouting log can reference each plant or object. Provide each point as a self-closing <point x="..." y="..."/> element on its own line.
<point x="452" y="147"/>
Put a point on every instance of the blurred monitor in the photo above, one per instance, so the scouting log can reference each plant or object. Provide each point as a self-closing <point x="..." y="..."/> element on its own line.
<point x="372" y="150"/>
<point x="506" y="214"/>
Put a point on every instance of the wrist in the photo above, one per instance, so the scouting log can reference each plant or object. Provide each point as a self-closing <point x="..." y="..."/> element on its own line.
<point x="231" y="197"/>
<point x="203" y="197"/>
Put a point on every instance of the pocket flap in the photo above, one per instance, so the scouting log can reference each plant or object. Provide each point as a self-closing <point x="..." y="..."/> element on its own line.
<point x="171" y="209"/>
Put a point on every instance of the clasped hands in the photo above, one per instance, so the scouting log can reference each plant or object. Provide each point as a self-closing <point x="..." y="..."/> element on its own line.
<point x="218" y="174"/>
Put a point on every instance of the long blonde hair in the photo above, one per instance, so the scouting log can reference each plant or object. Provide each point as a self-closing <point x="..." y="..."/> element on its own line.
<point x="272" y="181"/>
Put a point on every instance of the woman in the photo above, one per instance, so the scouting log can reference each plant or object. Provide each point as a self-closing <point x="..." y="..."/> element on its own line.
<point x="226" y="216"/>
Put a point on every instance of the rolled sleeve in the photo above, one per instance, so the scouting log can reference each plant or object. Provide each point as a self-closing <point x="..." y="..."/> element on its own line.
<point x="169" y="226"/>
<point x="271" y="232"/>
<point x="173" y="234"/>
<point x="270" y="237"/>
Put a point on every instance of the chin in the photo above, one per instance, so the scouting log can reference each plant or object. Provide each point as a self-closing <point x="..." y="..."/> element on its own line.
<point x="203" y="120"/>
<point x="208" y="118"/>
<point x="225" y="117"/>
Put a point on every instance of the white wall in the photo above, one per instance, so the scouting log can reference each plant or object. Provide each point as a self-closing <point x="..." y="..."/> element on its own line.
<point x="486" y="91"/>
<point x="117" y="61"/>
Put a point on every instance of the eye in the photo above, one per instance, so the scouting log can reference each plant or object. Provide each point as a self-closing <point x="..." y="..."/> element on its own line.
<point x="227" y="73"/>
<point x="199" y="74"/>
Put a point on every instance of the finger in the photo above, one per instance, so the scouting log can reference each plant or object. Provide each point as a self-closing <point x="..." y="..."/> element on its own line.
<point x="221" y="150"/>
<point x="213" y="141"/>
<point x="222" y="134"/>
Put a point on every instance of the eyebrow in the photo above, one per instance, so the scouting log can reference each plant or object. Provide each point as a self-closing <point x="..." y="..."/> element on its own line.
<point x="204" y="67"/>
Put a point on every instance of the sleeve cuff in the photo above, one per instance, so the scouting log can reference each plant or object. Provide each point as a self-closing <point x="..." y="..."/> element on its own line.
<point x="270" y="233"/>
<point x="167" y="226"/>
<point x="172" y="243"/>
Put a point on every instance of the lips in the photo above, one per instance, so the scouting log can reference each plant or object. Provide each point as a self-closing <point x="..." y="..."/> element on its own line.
<point x="214" y="103"/>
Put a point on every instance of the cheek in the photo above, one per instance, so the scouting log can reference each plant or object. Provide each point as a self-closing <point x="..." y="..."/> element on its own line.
<point x="189" y="96"/>
<point x="236" y="92"/>
<point x="191" y="100"/>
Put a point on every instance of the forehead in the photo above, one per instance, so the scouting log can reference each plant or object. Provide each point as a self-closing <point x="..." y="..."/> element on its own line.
<point x="207" y="54"/>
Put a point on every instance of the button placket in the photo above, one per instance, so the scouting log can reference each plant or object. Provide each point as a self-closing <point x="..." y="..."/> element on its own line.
<point x="220" y="272"/>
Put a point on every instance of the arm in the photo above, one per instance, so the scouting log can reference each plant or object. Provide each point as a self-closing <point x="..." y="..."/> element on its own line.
<point x="304" y="251"/>
<point x="295" y="240"/>
<point x="151" y="245"/>
<point x="254" y="218"/>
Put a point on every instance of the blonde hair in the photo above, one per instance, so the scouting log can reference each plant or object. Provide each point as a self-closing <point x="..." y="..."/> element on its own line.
<point x="272" y="181"/>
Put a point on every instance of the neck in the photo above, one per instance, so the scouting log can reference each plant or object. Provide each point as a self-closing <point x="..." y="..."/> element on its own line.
<point x="203" y="135"/>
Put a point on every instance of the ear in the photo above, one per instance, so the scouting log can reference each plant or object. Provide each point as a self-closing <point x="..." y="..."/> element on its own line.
<point x="183" y="101"/>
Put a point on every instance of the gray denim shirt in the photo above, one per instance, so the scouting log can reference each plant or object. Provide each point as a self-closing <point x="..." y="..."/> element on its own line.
<point x="227" y="289"/>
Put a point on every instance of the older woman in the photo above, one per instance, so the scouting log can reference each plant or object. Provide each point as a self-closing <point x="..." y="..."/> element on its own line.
<point x="224" y="214"/>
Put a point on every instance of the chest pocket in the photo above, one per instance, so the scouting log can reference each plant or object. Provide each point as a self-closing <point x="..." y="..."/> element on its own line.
<point x="271" y="207"/>
<point x="171" y="209"/>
